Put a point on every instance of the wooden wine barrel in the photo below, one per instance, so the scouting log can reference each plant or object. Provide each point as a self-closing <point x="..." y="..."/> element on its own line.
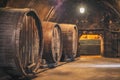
<point x="20" y="41"/>
<point x="52" y="42"/>
<point x="70" y="41"/>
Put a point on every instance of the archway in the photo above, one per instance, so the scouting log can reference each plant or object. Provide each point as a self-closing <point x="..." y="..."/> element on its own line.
<point x="91" y="44"/>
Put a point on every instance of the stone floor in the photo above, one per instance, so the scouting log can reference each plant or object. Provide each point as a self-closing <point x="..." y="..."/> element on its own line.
<point x="84" y="68"/>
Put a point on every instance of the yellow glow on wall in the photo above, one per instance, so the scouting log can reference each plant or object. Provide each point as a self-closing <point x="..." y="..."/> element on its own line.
<point x="89" y="36"/>
<point x="93" y="37"/>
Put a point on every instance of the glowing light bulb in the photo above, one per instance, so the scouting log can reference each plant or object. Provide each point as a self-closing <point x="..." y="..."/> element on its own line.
<point x="82" y="10"/>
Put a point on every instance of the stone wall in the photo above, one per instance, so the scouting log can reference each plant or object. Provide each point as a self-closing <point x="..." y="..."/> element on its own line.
<point x="42" y="7"/>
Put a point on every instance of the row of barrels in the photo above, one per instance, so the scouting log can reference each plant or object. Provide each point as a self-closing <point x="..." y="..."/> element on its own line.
<point x="25" y="42"/>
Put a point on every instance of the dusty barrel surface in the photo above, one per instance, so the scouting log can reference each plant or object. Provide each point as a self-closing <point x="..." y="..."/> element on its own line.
<point x="52" y="42"/>
<point x="20" y="41"/>
<point x="70" y="41"/>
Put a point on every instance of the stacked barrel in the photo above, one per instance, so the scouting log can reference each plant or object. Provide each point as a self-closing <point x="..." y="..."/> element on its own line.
<point x="21" y="41"/>
<point x="25" y="42"/>
<point x="52" y="42"/>
<point x="70" y="41"/>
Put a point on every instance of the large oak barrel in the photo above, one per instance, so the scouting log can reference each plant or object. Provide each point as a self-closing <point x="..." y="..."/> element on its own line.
<point x="20" y="41"/>
<point x="70" y="41"/>
<point x="52" y="42"/>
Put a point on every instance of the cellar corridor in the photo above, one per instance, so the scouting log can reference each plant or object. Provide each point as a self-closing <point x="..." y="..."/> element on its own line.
<point x="59" y="39"/>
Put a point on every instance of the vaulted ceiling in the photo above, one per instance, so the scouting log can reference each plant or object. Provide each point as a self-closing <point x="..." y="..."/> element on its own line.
<point x="67" y="11"/>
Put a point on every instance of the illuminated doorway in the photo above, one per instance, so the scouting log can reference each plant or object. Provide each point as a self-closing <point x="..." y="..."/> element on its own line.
<point x="91" y="44"/>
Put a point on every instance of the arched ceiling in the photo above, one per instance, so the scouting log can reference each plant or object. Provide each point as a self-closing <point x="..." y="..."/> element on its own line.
<point x="69" y="9"/>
